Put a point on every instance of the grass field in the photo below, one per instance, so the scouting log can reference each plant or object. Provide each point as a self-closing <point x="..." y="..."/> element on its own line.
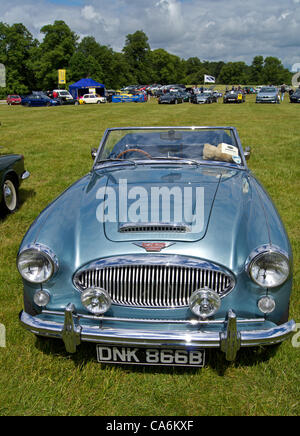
<point x="38" y="377"/>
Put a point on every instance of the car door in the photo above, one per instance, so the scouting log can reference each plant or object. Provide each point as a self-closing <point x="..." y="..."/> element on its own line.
<point x="93" y="98"/>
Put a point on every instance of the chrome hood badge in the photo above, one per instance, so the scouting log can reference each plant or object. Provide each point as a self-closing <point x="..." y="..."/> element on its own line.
<point x="154" y="247"/>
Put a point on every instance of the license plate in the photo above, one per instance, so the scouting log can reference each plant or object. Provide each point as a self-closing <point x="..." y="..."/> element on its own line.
<point x="150" y="356"/>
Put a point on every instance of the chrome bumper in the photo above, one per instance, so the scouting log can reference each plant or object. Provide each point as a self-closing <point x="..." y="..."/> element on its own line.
<point x="229" y="339"/>
<point x="25" y="175"/>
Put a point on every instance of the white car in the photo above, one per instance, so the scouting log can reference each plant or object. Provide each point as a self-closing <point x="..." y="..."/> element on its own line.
<point x="63" y="93"/>
<point x="92" y="98"/>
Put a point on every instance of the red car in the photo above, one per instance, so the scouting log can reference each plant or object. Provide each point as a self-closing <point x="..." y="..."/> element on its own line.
<point x="13" y="99"/>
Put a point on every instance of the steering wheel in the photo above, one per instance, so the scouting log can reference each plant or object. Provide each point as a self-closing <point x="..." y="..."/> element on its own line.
<point x="134" y="149"/>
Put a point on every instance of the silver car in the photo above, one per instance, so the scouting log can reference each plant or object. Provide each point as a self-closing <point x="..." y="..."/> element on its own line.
<point x="268" y="94"/>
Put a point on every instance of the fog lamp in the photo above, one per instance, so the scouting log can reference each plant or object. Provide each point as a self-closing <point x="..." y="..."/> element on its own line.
<point x="41" y="298"/>
<point x="204" y="303"/>
<point x="266" y="304"/>
<point x="96" y="300"/>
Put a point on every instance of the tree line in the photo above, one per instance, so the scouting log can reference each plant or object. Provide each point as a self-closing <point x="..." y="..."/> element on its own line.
<point x="33" y="65"/>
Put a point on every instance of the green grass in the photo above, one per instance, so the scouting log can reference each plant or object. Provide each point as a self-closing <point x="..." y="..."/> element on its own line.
<point x="38" y="377"/>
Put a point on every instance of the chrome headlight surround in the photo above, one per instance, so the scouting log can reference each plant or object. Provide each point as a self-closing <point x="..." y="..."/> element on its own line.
<point x="37" y="263"/>
<point x="268" y="266"/>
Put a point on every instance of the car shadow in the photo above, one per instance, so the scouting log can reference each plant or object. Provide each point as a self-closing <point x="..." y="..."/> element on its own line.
<point x="24" y="195"/>
<point x="215" y="359"/>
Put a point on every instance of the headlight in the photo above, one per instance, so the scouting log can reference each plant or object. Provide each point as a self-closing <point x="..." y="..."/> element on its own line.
<point x="204" y="302"/>
<point x="96" y="300"/>
<point x="268" y="266"/>
<point x="37" y="263"/>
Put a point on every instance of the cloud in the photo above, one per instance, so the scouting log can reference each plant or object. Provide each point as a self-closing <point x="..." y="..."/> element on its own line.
<point x="230" y="30"/>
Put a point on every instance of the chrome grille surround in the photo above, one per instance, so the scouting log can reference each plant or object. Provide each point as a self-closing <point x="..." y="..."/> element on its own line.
<point x="153" y="281"/>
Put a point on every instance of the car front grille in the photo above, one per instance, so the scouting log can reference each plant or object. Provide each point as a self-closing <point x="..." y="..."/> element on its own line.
<point x="153" y="285"/>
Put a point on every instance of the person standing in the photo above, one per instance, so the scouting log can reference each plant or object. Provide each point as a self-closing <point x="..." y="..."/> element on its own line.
<point x="282" y="91"/>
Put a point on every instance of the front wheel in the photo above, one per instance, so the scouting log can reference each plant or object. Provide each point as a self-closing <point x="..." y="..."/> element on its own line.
<point x="9" y="196"/>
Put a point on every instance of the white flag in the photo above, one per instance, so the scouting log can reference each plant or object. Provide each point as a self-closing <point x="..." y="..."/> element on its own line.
<point x="209" y="79"/>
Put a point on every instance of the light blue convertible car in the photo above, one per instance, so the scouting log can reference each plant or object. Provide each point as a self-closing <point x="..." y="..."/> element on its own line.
<point x="168" y="247"/>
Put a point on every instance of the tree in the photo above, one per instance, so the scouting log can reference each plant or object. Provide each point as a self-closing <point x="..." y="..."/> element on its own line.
<point x="16" y="46"/>
<point x="165" y="67"/>
<point x="235" y="73"/>
<point x="256" y="70"/>
<point x="55" y="52"/>
<point x="85" y="61"/>
<point x="137" y="54"/>
<point x="274" y="72"/>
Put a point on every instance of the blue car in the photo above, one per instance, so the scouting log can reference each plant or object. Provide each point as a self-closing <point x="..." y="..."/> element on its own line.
<point x="39" y="100"/>
<point x="168" y="247"/>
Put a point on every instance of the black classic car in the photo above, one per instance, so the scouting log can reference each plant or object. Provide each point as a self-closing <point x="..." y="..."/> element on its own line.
<point x="234" y="97"/>
<point x="12" y="173"/>
<point x="170" y="98"/>
<point x="203" y="98"/>
<point x="295" y="97"/>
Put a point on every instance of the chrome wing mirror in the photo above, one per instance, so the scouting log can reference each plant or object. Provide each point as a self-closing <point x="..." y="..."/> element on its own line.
<point x="94" y="153"/>
<point x="247" y="153"/>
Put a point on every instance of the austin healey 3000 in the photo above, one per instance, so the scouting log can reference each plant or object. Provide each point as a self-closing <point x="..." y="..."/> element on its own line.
<point x="168" y="247"/>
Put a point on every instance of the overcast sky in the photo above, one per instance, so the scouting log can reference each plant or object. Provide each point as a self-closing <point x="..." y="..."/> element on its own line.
<point x="229" y="30"/>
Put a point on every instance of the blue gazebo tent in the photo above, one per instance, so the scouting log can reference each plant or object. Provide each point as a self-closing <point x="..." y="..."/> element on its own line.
<point x="83" y="86"/>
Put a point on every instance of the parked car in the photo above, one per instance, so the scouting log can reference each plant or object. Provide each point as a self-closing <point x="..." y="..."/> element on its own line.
<point x="92" y="99"/>
<point x="128" y="98"/>
<point x="62" y="93"/>
<point x="169" y="246"/>
<point x="205" y="97"/>
<point x="39" y="100"/>
<point x="67" y="101"/>
<point x="268" y="94"/>
<point x="12" y="173"/>
<point x="185" y="95"/>
<point x="13" y="99"/>
<point x="170" y="98"/>
<point x="234" y="97"/>
<point x="295" y="97"/>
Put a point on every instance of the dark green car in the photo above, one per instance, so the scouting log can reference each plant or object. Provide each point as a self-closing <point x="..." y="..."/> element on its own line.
<point x="12" y="173"/>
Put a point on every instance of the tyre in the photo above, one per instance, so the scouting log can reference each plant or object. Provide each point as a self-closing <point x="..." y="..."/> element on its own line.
<point x="9" y="196"/>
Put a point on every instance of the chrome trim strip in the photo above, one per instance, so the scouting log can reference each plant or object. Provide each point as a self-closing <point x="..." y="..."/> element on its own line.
<point x="154" y="321"/>
<point x="164" y="339"/>
<point x="47" y="252"/>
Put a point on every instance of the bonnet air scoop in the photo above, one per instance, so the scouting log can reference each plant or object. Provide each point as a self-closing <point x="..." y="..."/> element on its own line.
<point x="154" y="227"/>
